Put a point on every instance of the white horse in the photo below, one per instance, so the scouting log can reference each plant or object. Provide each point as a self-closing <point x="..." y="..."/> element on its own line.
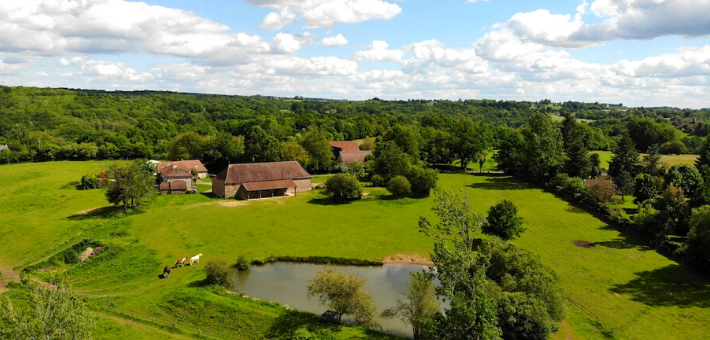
<point x="195" y="258"/>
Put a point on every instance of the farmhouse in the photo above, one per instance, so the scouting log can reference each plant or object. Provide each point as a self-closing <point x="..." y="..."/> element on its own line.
<point x="258" y="180"/>
<point x="189" y="164"/>
<point x="175" y="173"/>
<point x="347" y="152"/>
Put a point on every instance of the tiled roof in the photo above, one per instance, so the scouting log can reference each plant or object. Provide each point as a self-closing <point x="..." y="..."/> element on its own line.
<point x="346" y="145"/>
<point x="190" y="164"/>
<point x="347" y="157"/>
<point x="175" y="171"/>
<point x="173" y="185"/>
<point x="260" y="172"/>
<point x="268" y="185"/>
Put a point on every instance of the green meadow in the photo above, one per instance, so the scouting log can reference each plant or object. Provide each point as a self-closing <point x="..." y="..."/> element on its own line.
<point x="668" y="160"/>
<point x="617" y="287"/>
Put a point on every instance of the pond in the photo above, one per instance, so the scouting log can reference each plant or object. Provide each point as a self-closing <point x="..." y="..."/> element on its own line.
<point x="285" y="283"/>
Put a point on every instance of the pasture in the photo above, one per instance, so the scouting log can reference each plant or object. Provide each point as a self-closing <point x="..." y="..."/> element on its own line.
<point x="617" y="287"/>
<point x="668" y="160"/>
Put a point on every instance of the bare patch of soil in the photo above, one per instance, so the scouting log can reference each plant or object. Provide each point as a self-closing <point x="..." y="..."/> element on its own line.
<point x="91" y="211"/>
<point x="86" y="254"/>
<point x="583" y="244"/>
<point x="231" y="204"/>
<point x="408" y="258"/>
<point x="7" y="275"/>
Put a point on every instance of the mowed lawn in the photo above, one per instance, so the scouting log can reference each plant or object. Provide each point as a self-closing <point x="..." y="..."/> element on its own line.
<point x="668" y="160"/>
<point x="623" y="287"/>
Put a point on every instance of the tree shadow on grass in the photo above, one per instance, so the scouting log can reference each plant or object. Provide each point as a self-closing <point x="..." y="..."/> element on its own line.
<point x="623" y="243"/>
<point x="501" y="183"/>
<point x="198" y="283"/>
<point x="673" y="285"/>
<point x="102" y="212"/>
<point x="576" y="210"/>
<point x="327" y="201"/>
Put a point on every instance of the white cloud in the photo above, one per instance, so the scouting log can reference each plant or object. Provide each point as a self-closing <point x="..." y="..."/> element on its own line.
<point x="324" y="13"/>
<point x="286" y="43"/>
<point x="378" y="51"/>
<point x="334" y="41"/>
<point x="623" y="19"/>
<point x="103" y="69"/>
<point x="582" y="8"/>
<point x="56" y="28"/>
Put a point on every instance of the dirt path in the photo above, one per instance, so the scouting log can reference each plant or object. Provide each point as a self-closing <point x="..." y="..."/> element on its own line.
<point x="7" y="275"/>
<point x="408" y="259"/>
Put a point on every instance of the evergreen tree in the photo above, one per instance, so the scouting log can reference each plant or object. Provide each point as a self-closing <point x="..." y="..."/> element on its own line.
<point x="625" y="160"/>
<point x="577" y="163"/>
<point x="704" y="158"/>
<point x="595" y="162"/>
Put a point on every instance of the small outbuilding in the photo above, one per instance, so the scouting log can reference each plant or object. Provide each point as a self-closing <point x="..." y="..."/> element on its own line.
<point x="261" y="180"/>
<point x="176" y="173"/>
<point x="173" y="188"/>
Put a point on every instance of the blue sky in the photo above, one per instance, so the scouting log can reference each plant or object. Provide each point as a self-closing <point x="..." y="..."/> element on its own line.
<point x="638" y="52"/>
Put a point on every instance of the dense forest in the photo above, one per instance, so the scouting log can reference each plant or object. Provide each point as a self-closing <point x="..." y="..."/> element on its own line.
<point x="40" y="124"/>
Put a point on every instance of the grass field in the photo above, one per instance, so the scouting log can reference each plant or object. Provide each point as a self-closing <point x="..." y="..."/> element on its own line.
<point x="668" y="160"/>
<point x="614" y="285"/>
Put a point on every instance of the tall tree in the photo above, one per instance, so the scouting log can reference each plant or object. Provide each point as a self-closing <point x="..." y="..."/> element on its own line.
<point x="544" y="154"/>
<point x="511" y="153"/>
<point x="577" y="163"/>
<point x="390" y="160"/>
<point x="292" y="151"/>
<point x="625" y="160"/>
<point x="187" y="145"/>
<point x="129" y="185"/>
<point x="704" y="158"/>
<point x="316" y="144"/>
<point x="462" y="281"/>
<point x="595" y="169"/>
<point x="259" y="146"/>
<point x="406" y="138"/>
<point x="420" y="304"/>
<point x="222" y="149"/>
<point x="652" y="160"/>
<point x="470" y="139"/>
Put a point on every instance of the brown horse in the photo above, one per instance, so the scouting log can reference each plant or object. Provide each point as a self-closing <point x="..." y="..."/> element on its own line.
<point x="166" y="272"/>
<point x="180" y="263"/>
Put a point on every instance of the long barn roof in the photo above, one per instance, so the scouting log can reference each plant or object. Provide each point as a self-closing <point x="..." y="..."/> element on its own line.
<point x="260" y="172"/>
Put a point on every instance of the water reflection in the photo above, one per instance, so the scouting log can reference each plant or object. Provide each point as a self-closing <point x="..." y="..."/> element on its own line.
<point x="285" y="283"/>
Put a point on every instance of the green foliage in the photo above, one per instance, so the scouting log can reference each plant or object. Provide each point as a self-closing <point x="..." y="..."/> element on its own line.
<point x="320" y="153"/>
<point x="378" y="181"/>
<point x="698" y="242"/>
<point x="675" y="147"/>
<point x="645" y="132"/>
<point x="368" y="144"/>
<point x="544" y="154"/>
<point x="129" y="186"/>
<point x="652" y="160"/>
<point x="292" y="151"/>
<point x="704" y="158"/>
<point x="259" y="146"/>
<point x="390" y="160"/>
<point x="51" y="314"/>
<point x="399" y="186"/>
<point x="242" y="263"/>
<point x="90" y="182"/>
<point x="343" y="187"/>
<point x="420" y="305"/>
<point x="510" y="156"/>
<point x="356" y="169"/>
<point x="644" y="188"/>
<point x="303" y="333"/>
<point x="685" y="177"/>
<point x="188" y="145"/>
<point x="219" y="273"/>
<point x="503" y="221"/>
<point x="344" y="295"/>
<point x="422" y="180"/>
<point x="222" y="149"/>
<point x="471" y="140"/>
<point x="625" y="159"/>
<point x="405" y="138"/>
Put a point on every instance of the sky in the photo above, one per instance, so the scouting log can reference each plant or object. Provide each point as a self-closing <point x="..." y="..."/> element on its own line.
<point x="635" y="52"/>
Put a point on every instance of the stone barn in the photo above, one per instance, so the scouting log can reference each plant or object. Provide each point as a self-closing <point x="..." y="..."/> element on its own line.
<point x="261" y="180"/>
<point x="347" y="152"/>
<point x="189" y="164"/>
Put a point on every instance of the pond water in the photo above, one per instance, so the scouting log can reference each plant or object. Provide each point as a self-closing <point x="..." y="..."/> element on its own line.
<point x="285" y="283"/>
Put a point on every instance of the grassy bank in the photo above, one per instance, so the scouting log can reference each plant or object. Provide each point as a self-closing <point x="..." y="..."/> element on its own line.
<point x="617" y="287"/>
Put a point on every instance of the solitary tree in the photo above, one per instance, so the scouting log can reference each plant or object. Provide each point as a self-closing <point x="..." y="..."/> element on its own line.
<point x="503" y="221"/>
<point x="420" y="304"/>
<point x="344" y="295"/>
<point x="129" y="185"/>
<point x="51" y="314"/>
<point x="343" y="187"/>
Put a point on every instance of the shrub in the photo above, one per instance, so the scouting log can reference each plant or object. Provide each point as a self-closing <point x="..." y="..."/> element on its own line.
<point x="343" y="187"/>
<point x="71" y="256"/>
<point x="378" y="181"/>
<point x="242" y="263"/>
<point x="602" y="190"/>
<point x="422" y="180"/>
<point x="503" y="221"/>
<point x="399" y="186"/>
<point x="90" y="182"/>
<point x="219" y="273"/>
<point x="674" y="148"/>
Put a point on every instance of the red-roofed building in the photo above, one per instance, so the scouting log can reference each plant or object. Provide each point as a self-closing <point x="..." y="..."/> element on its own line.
<point x="189" y="164"/>
<point x="175" y="173"/>
<point x="347" y="152"/>
<point x="174" y="187"/>
<point x="259" y="180"/>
